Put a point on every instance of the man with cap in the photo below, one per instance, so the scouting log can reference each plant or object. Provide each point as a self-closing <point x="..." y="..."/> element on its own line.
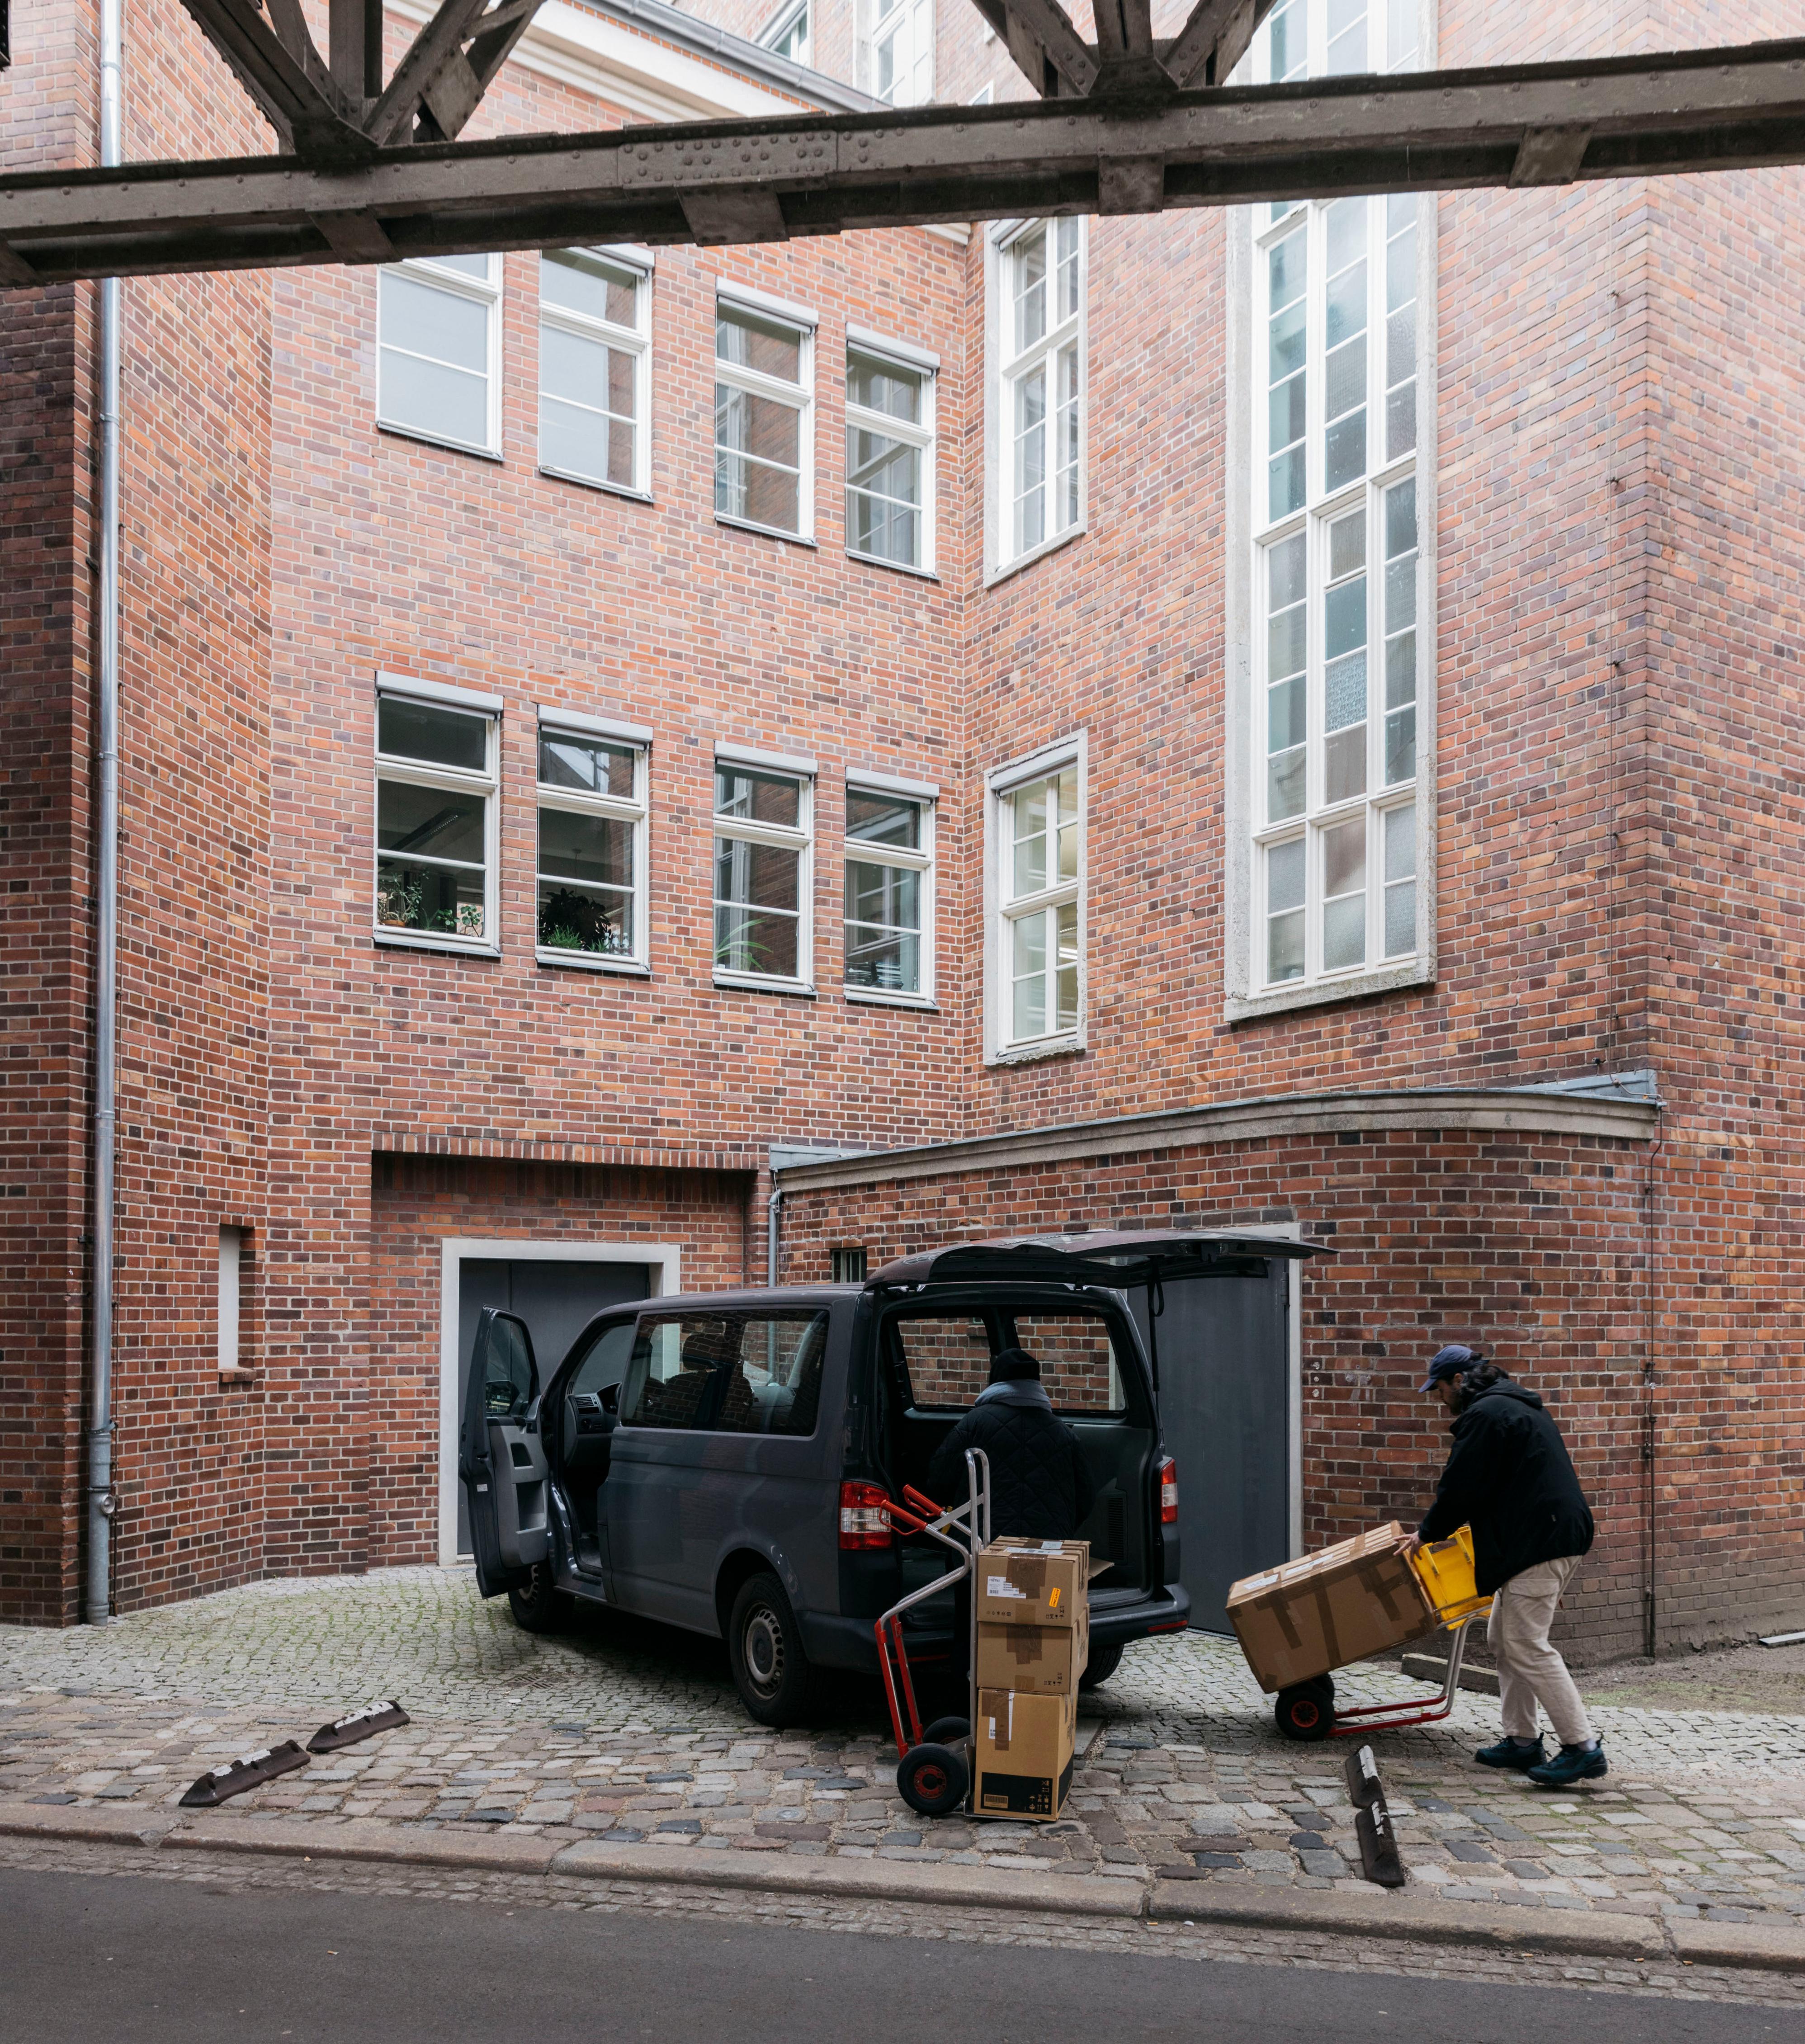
<point x="1510" y="1478"/>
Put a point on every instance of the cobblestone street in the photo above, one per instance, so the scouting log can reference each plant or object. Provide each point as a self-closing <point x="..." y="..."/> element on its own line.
<point x="622" y="1730"/>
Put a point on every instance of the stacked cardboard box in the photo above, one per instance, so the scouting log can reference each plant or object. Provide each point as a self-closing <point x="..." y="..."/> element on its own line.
<point x="1033" y="1613"/>
<point x="1358" y="1597"/>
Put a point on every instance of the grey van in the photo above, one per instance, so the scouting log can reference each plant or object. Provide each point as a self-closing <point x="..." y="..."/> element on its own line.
<point x="721" y="1461"/>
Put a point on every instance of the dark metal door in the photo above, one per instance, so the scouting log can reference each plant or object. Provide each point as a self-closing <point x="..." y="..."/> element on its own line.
<point x="557" y="1300"/>
<point x="1224" y="1401"/>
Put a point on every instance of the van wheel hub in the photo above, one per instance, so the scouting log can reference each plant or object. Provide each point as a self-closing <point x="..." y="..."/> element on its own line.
<point x="763" y="1644"/>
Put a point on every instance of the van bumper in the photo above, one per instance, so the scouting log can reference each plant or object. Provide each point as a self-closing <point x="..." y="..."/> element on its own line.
<point x="833" y="1642"/>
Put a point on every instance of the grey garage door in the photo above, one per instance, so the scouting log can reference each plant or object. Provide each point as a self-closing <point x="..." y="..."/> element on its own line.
<point x="1224" y="1400"/>
<point x="556" y="1299"/>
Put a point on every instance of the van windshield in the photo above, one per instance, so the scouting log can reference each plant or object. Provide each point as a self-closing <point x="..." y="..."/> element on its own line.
<point x="944" y="1360"/>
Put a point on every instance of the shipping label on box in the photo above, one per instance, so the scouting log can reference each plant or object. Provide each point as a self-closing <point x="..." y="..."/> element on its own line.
<point x="1033" y="1582"/>
<point x="1033" y="1660"/>
<point x="1357" y="1598"/>
<point x="1022" y="1755"/>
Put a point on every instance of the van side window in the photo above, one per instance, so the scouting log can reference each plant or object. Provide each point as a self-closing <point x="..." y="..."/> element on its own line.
<point x="1078" y="1360"/>
<point x="727" y="1372"/>
<point x="944" y="1361"/>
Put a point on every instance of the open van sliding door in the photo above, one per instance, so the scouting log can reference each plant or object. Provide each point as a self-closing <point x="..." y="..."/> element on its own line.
<point x="500" y="1460"/>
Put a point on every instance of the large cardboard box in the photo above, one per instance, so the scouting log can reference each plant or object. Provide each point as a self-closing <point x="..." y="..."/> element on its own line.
<point x="1033" y="1660"/>
<point x="1022" y="1748"/>
<point x="1035" y="1582"/>
<point x="1356" y="1598"/>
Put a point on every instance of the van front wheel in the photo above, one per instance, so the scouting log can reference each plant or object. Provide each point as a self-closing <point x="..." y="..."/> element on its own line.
<point x="764" y="1643"/>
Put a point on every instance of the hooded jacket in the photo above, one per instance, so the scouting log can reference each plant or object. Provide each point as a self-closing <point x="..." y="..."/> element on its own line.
<point x="1040" y="1488"/>
<point x="1510" y="1478"/>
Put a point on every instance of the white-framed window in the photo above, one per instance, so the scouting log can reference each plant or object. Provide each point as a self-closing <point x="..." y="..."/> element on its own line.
<point x="787" y="32"/>
<point x="438" y="338"/>
<point x="1034" y="417"/>
<point x="1337" y="788"/>
<point x="437" y="798"/>
<point x="890" y="453"/>
<point x="1035" y="893"/>
<point x="595" y="369"/>
<point x="896" y="51"/>
<point x="231" y="1298"/>
<point x="764" y="416"/>
<point x="889" y="895"/>
<point x="764" y="841"/>
<point x="590" y="899"/>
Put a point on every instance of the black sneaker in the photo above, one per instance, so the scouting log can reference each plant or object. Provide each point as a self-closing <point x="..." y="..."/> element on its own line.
<point x="1521" y="1754"/>
<point x="1572" y="1764"/>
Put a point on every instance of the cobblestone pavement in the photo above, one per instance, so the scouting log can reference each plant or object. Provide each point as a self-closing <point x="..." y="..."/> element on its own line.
<point x="626" y="1730"/>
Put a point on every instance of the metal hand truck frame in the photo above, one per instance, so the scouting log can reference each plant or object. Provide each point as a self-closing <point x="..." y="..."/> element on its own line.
<point x="934" y="1765"/>
<point x="1306" y="1710"/>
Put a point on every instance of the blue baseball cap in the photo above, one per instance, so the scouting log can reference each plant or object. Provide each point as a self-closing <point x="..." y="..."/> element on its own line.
<point x="1453" y="1361"/>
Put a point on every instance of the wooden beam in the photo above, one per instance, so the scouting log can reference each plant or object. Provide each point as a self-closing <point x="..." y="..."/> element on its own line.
<point x="1684" y="112"/>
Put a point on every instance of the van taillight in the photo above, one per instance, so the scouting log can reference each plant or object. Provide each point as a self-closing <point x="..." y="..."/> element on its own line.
<point x="1168" y="1494"/>
<point x="865" y="1519"/>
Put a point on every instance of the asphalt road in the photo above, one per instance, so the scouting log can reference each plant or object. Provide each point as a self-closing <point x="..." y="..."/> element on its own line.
<point x="98" y="1958"/>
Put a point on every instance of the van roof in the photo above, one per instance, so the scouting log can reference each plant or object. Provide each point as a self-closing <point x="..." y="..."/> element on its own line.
<point x="1115" y="1258"/>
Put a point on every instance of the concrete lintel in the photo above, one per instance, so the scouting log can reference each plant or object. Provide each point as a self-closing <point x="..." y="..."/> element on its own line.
<point x="1473" y="1111"/>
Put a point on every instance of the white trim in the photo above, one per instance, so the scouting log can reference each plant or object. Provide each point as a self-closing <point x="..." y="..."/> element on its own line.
<point x="1004" y="366"/>
<point x="871" y="996"/>
<point x="746" y="755"/>
<point x="922" y="859"/>
<point x="866" y="342"/>
<point x="594" y="331"/>
<point x="891" y="784"/>
<point x="923" y="434"/>
<point x="634" y="811"/>
<point x="438" y="692"/>
<point x="1013" y="772"/>
<point x="751" y="300"/>
<point x="553" y="718"/>
<point x="1000" y="784"/>
<point x="403" y="770"/>
<point x="486" y="291"/>
<point x="628" y="253"/>
<point x="665" y="1260"/>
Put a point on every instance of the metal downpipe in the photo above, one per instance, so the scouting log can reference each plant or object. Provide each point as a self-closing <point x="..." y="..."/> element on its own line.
<point x="98" y="1601"/>
<point x="773" y="1209"/>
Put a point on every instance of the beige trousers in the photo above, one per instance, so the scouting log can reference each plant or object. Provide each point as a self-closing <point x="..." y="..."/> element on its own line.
<point x="1529" y="1669"/>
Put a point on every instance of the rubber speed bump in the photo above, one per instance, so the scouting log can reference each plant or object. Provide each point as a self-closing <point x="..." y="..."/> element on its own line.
<point x="358" y="1724"/>
<point x="220" y="1785"/>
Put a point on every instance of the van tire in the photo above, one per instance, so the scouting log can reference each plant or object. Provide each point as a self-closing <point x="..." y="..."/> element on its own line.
<point x="536" y="1606"/>
<point x="1103" y="1663"/>
<point x="764" y="1645"/>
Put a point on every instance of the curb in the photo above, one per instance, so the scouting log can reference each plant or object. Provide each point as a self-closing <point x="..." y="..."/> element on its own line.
<point x="1401" y="1916"/>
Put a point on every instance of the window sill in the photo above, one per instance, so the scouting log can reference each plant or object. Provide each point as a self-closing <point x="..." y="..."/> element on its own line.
<point x="590" y="482"/>
<point x="895" y="567"/>
<point x="1318" y="993"/>
<point x="1034" y="1054"/>
<point x="749" y="982"/>
<point x="578" y="962"/>
<point x="767" y="532"/>
<point x="447" y="947"/>
<point x="871" y="996"/>
<point x="994" y="575"/>
<point x="432" y="440"/>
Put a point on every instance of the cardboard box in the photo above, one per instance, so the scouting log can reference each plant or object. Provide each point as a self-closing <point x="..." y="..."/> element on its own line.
<point x="1033" y="1660"/>
<point x="1022" y="1748"/>
<point x="1356" y="1598"/>
<point x="1035" y="1582"/>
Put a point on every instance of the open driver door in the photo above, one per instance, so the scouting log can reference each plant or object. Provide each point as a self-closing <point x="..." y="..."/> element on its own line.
<point x="501" y="1458"/>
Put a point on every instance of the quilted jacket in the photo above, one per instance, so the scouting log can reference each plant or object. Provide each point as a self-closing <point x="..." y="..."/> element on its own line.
<point x="1040" y="1488"/>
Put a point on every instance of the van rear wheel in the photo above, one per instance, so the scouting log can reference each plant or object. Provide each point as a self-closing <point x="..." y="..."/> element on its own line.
<point x="764" y="1644"/>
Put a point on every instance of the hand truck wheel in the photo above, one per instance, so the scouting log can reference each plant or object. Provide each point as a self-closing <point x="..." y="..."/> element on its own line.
<point x="933" y="1780"/>
<point x="946" y="1731"/>
<point x="1306" y="1710"/>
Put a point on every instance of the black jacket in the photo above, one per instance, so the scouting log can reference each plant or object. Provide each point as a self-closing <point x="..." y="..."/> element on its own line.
<point x="1509" y="1478"/>
<point x="1040" y="1487"/>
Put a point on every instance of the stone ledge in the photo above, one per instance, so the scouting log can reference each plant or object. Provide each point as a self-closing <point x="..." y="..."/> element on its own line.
<point x="1414" y="1917"/>
<point x="365" y="1838"/>
<point x="114" y="1827"/>
<point x="889" y="1881"/>
<point x="1779" y="1946"/>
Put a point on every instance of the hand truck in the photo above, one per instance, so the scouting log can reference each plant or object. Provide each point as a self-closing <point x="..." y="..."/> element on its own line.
<point x="1306" y="1710"/>
<point x="934" y="1767"/>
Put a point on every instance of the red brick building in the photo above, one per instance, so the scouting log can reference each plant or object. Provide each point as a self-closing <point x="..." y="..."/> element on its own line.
<point x="1284" y="718"/>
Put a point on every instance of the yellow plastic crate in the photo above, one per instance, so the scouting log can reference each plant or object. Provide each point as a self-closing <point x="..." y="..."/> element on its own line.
<point x="1445" y="1569"/>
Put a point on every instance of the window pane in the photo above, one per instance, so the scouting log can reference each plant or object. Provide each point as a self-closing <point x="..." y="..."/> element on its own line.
<point x="883" y="478"/>
<point x="1287" y="41"/>
<point x="585" y="847"/>
<point x="584" y="283"/>
<point x="755" y="940"/>
<point x="1028" y="810"/>
<point x="883" y="386"/>
<point x="590" y="764"/>
<point x="1344" y="857"/>
<point x="1344" y="618"/>
<point x="469" y="265"/>
<point x="1286" y="778"/>
<point x="1347" y="36"/>
<point x="1285" y="946"/>
<point x="1344" y="693"/>
<point x="1066" y="441"/>
<point x="1030" y="460"/>
<point x="441" y="900"/>
<point x="588" y="445"/>
<point x="757" y="797"/>
<point x="1344" y="933"/>
<point x="889" y="896"/>
<point x="1400" y="844"/>
<point x="595" y="920"/>
<point x="1066" y="234"/>
<point x="1029" y="973"/>
<point x="765" y="875"/>
<point x="1284" y="907"/>
<point x="430" y="822"/>
<point x="585" y="371"/>
<point x="1029" y="268"/>
<point x="1344" y="764"/>
<point x="1066" y="966"/>
<point x="443" y="326"/>
<point x="1400" y="747"/>
<point x="1285" y="715"/>
<point x="880" y="819"/>
<point x="422" y="731"/>
<point x="767" y="345"/>
<point x="1284" y="876"/>
<point x="1400" y="918"/>
<point x="427" y="397"/>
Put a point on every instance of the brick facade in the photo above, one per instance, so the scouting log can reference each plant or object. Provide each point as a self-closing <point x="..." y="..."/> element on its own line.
<point x="1619" y="417"/>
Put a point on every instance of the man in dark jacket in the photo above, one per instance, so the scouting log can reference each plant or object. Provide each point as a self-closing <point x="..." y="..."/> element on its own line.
<point x="1510" y="1479"/>
<point x="1040" y="1488"/>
